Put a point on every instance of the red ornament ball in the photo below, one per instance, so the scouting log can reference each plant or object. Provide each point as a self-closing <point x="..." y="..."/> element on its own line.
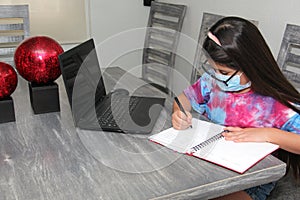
<point x="36" y="59"/>
<point x="8" y="80"/>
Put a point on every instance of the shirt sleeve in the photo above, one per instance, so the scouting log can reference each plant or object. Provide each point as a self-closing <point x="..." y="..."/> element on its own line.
<point x="198" y="93"/>
<point x="293" y="124"/>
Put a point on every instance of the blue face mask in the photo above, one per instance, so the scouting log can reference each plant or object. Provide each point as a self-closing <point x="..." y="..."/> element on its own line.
<point x="233" y="84"/>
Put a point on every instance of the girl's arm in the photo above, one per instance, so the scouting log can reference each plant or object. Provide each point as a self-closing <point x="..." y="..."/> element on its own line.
<point x="288" y="141"/>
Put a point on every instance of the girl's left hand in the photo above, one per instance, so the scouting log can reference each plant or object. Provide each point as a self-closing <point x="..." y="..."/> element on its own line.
<point x="237" y="134"/>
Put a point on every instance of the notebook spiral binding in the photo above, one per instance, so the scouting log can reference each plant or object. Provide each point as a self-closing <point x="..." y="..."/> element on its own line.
<point x="208" y="141"/>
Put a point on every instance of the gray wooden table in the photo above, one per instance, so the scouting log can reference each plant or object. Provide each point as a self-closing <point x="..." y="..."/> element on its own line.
<point x="45" y="157"/>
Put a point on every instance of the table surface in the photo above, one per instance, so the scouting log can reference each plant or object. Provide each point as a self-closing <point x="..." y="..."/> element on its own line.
<point x="45" y="157"/>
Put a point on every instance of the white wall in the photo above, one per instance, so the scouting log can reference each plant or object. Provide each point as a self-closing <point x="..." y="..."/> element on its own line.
<point x="56" y="19"/>
<point x="271" y="14"/>
<point x="110" y="17"/>
<point x="113" y="18"/>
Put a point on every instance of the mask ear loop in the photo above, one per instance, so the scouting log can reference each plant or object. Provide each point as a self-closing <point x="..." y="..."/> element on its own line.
<point x="230" y="77"/>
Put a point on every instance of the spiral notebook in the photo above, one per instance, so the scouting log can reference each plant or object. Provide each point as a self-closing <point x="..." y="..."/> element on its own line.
<point x="205" y="141"/>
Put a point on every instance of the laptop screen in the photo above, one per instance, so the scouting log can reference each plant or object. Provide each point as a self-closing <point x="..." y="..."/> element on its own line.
<point x="82" y="78"/>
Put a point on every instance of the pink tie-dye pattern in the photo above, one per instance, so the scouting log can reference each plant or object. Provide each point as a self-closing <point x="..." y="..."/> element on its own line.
<point x="252" y="110"/>
<point x="196" y="93"/>
<point x="241" y="110"/>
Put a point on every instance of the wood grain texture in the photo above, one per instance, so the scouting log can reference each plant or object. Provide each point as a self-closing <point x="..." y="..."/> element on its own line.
<point x="45" y="157"/>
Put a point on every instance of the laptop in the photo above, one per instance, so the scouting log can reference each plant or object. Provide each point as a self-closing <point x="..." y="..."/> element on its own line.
<point x="92" y="108"/>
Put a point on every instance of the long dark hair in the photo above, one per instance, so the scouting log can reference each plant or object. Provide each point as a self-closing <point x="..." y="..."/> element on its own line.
<point x="244" y="48"/>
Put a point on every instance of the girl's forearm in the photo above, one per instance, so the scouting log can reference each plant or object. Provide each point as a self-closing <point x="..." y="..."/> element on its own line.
<point x="286" y="140"/>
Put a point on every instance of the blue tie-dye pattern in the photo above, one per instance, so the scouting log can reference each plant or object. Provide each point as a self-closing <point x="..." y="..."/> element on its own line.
<point x="293" y="124"/>
<point x="218" y="115"/>
<point x="221" y="107"/>
<point x="205" y="84"/>
<point x="200" y="108"/>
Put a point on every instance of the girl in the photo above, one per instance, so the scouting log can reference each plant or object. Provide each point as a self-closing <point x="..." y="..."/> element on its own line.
<point x="244" y="89"/>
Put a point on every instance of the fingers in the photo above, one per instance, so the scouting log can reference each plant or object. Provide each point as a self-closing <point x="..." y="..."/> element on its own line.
<point x="233" y="129"/>
<point x="189" y="118"/>
<point x="235" y="134"/>
<point x="180" y="120"/>
<point x="247" y="134"/>
<point x="236" y="138"/>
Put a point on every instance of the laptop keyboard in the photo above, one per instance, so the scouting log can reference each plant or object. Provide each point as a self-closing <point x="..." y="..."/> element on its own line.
<point x="114" y="114"/>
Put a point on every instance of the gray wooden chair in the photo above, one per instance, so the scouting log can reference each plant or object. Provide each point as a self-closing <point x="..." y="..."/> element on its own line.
<point x="289" y="54"/>
<point x="208" y="19"/>
<point x="161" y="41"/>
<point x="14" y="28"/>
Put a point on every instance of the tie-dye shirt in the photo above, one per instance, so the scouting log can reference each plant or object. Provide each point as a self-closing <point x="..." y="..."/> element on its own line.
<point x="247" y="109"/>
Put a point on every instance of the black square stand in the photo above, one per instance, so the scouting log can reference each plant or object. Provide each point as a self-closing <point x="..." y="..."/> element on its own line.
<point x="147" y="2"/>
<point x="7" y="110"/>
<point x="44" y="98"/>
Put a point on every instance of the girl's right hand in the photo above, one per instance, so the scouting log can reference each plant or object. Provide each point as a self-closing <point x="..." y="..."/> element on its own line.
<point x="180" y="121"/>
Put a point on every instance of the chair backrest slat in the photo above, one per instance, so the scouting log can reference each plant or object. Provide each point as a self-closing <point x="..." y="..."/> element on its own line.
<point x="14" y="28"/>
<point x="289" y="54"/>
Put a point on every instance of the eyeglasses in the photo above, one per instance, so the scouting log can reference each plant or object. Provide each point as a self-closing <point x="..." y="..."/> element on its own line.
<point x="210" y="70"/>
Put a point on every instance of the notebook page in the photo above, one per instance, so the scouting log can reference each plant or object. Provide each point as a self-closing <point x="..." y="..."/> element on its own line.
<point x="236" y="156"/>
<point x="182" y="140"/>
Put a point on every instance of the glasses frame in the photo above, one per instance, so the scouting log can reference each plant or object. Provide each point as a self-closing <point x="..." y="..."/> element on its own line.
<point x="214" y="77"/>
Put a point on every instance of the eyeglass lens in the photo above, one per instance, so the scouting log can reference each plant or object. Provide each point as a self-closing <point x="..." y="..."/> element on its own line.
<point x="211" y="71"/>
